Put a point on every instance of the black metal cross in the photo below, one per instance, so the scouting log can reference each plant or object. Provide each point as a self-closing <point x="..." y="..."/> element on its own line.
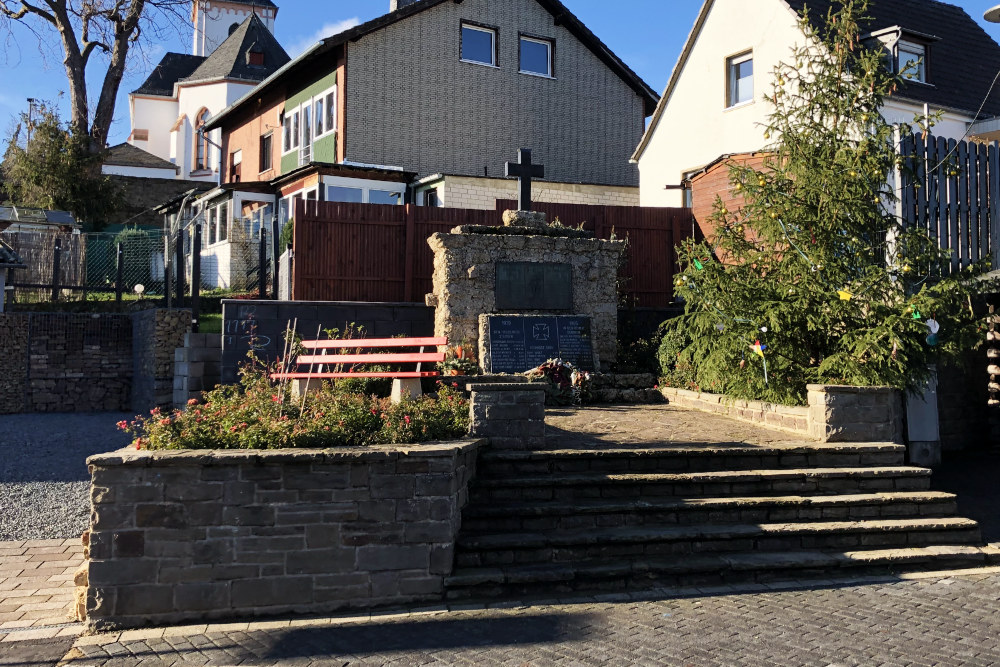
<point x="524" y="171"/>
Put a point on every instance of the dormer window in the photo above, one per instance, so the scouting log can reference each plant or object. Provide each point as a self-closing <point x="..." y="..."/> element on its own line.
<point x="911" y="61"/>
<point x="255" y="58"/>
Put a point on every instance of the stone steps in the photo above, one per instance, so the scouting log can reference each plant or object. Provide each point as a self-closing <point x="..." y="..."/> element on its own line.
<point x="490" y="489"/>
<point x="650" y="541"/>
<point x="507" y="463"/>
<point x="599" y="513"/>
<point x="524" y="581"/>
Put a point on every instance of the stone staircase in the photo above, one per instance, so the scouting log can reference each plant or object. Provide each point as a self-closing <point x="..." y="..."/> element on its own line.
<point x="618" y="518"/>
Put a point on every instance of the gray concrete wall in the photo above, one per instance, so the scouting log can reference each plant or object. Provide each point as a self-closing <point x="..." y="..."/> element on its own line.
<point x="433" y="113"/>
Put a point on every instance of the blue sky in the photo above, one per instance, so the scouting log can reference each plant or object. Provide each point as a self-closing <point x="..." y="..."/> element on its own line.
<point x="647" y="34"/>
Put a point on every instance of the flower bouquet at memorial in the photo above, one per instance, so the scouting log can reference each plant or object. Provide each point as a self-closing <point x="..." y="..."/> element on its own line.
<point x="459" y="360"/>
<point x="566" y="385"/>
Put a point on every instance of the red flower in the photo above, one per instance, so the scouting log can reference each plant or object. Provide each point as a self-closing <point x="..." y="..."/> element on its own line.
<point x="123" y="425"/>
<point x="192" y="401"/>
<point x="326" y="428"/>
<point x="455" y="385"/>
<point x="165" y="422"/>
<point x="656" y="386"/>
<point x="374" y="412"/>
<point x="233" y="429"/>
<point x="275" y="398"/>
<point x="154" y="411"/>
<point x="406" y="418"/>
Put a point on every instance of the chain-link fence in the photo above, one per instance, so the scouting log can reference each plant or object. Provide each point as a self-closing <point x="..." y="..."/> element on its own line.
<point x="98" y="266"/>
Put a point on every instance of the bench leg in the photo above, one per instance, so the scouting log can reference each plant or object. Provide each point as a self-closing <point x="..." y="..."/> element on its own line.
<point x="405" y="387"/>
<point x="300" y="387"/>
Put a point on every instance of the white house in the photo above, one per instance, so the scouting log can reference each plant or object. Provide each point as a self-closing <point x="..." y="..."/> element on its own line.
<point x="234" y="49"/>
<point x="713" y="104"/>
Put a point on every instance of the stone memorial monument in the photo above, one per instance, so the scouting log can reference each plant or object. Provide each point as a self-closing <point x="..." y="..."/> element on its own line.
<point x="527" y="291"/>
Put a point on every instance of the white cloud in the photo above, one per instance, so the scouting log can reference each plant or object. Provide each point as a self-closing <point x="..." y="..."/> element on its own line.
<point x="298" y="46"/>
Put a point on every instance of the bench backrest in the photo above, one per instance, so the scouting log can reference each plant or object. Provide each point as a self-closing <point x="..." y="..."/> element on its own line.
<point x="361" y="343"/>
<point x="372" y="357"/>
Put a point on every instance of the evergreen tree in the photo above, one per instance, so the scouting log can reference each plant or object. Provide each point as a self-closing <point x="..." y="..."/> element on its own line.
<point x="813" y="280"/>
<point x="53" y="168"/>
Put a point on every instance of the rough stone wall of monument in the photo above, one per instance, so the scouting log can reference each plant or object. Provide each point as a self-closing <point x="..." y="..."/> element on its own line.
<point x="13" y="362"/>
<point x="483" y="193"/>
<point x="180" y="536"/>
<point x="465" y="278"/>
<point x="157" y="334"/>
<point x="453" y="117"/>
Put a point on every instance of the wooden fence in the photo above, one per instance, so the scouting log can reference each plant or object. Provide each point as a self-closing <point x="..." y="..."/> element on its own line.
<point x="952" y="190"/>
<point x="371" y="252"/>
<point x="37" y="250"/>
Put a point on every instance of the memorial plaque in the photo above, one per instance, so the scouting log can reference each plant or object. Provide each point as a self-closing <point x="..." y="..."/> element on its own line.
<point x="520" y="343"/>
<point x="534" y="286"/>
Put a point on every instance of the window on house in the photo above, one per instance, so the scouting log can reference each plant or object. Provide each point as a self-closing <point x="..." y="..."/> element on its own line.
<point x="349" y="195"/>
<point x="431" y="198"/>
<point x="265" y="152"/>
<point x="331" y="111"/>
<point x="384" y="197"/>
<point x="201" y="150"/>
<point x="912" y="61"/>
<point x="739" y="74"/>
<point x="536" y="56"/>
<point x="479" y="45"/>
<point x="255" y="58"/>
<point x="286" y="127"/>
<point x="235" y="166"/>
<point x="224" y="222"/>
<point x="213" y="219"/>
<point x="295" y="129"/>
<point x="305" y="155"/>
<point x="320" y="117"/>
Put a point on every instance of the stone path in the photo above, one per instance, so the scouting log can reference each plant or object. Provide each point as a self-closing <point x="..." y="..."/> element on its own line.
<point x="940" y="619"/>
<point x="36" y="589"/>
<point x="653" y="425"/>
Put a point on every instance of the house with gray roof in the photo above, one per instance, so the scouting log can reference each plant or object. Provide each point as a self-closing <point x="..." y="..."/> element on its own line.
<point x="714" y="102"/>
<point x="170" y="109"/>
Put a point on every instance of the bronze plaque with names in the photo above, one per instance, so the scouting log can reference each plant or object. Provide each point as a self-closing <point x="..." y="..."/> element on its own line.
<point x="533" y="286"/>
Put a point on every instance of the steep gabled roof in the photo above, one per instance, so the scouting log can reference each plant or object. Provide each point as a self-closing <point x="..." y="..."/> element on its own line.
<point x="172" y="68"/>
<point x="232" y="59"/>
<point x="561" y="15"/>
<point x="127" y="155"/>
<point x="961" y="65"/>
<point x="255" y="3"/>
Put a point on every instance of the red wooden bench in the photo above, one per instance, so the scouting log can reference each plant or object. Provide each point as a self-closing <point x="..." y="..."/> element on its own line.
<point x="314" y="366"/>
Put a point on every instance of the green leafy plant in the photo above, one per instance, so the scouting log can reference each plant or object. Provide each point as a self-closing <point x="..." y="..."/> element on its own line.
<point x="261" y="414"/>
<point x="812" y="279"/>
<point x="460" y="360"/>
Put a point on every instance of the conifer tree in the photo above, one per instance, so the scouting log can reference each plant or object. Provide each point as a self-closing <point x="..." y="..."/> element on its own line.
<point x="812" y="279"/>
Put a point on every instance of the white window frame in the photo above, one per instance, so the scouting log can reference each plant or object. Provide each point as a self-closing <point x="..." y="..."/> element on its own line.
<point x="297" y="113"/>
<point x="366" y="186"/>
<point x="912" y="48"/>
<point x="493" y="38"/>
<point x="548" y="44"/>
<point x="731" y="63"/>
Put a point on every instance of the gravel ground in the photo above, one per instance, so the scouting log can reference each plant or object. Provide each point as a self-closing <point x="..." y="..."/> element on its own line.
<point x="44" y="485"/>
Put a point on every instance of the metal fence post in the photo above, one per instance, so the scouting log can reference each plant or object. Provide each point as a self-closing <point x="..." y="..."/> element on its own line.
<point x="119" y="273"/>
<point x="180" y="268"/>
<point x="55" y="269"/>
<point x="275" y="253"/>
<point x="167" y="268"/>
<point x="195" y="277"/>
<point x="262" y="265"/>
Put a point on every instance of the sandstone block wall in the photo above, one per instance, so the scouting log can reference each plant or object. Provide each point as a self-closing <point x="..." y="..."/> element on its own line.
<point x="855" y="414"/>
<point x="185" y="535"/>
<point x="157" y="333"/>
<point x="465" y="278"/>
<point x="784" y="417"/>
<point x="482" y="193"/>
<point x="510" y="415"/>
<point x="197" y="366"/>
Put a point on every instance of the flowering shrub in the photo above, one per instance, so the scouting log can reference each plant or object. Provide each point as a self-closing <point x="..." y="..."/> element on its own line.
<point x="261" y="414"/>
<point x="565" y="384"/>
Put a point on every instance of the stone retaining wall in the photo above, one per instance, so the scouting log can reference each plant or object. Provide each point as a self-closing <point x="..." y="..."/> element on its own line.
<point x="185" y="535"/>
<point x="835" y="413"/>
<point x="156" y="333"/>
<point x="13" y="362"/>
<point x="197" y="366"/>
<point x="510" y="415"/>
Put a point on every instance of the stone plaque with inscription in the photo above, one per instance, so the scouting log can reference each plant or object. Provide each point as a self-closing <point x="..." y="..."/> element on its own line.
<point x="517" y="343"/>
<point x="534" y="286"/>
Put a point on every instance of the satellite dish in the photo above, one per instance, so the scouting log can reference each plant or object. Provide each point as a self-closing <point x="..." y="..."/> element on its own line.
<point x="993" y="15"/>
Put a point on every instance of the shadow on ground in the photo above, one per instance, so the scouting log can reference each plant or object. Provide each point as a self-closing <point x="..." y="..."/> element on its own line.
<point x="431" y="635"/>
<point x="975" y="478"/>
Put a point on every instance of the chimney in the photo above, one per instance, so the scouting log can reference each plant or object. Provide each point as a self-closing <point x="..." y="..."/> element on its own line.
<point x="399" y="4"/>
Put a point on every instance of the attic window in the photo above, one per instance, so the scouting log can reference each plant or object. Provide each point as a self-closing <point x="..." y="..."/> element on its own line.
<point x="911" y="60"/>
<point x="255" y="58"/>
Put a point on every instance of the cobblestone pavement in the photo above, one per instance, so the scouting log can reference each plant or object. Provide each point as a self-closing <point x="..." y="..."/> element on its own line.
<point x="942" y="619"/>
<point x="650" y="425"/>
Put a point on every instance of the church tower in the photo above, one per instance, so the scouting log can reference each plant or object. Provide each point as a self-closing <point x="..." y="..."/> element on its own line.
<point x="215" y="20"/>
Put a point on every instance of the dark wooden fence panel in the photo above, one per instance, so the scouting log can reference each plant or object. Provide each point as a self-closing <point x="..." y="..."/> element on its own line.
<point x="37" y="250"/>
<point x="364" y="252"/>
<point x="951" y="190"/>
